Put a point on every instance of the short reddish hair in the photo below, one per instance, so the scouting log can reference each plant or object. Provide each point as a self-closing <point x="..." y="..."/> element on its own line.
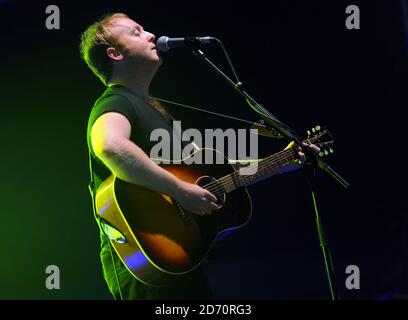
<point x="94" y="42"/>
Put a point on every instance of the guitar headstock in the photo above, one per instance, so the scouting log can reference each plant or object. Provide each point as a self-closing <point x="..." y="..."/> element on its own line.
<point x="322" y="138"/>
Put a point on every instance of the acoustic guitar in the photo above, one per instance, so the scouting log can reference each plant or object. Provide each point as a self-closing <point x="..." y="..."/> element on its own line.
<point x="159" y="241"/>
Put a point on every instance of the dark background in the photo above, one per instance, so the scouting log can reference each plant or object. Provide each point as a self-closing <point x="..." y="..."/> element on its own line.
<point x="296" y="58"/>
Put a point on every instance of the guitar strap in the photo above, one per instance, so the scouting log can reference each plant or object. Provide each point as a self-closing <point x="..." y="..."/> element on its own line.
<point x="92" y="191"/>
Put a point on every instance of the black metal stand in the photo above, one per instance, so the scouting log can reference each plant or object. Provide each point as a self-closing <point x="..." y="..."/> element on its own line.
<point x="287" y="132"/>
<point x="327" y="257"/>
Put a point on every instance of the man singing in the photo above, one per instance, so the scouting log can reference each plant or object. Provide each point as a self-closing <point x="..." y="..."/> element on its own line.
<point x="124" y="57"/>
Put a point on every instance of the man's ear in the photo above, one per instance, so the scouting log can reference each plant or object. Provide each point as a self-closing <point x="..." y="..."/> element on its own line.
<point x="114" y="54"/>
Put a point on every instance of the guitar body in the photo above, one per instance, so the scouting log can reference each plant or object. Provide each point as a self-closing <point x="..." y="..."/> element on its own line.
<point x="161" y="240"/>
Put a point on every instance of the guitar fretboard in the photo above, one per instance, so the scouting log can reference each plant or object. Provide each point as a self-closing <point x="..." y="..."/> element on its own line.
<point x="256" y="172"/>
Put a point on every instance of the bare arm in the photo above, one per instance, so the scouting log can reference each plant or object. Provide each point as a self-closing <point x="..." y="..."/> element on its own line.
<point x="110" y="138"/>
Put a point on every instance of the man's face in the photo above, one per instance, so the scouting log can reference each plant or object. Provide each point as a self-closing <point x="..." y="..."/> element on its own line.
<point x="134" y="42"/>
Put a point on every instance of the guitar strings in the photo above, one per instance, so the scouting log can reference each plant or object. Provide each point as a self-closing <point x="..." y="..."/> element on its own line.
<point x="264" y="164"/>
<point x="229" y="181"/>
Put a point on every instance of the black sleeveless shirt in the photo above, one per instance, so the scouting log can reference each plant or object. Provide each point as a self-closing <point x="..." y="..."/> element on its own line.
<point x="142" y="116"/>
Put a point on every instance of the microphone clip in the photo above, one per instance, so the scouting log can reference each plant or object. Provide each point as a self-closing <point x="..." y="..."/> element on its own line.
<point x="193" y="43"/>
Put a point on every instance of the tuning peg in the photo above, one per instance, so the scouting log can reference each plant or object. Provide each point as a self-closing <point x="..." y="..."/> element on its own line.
<point x="313" y="130"/>
<point x="321" y="153"/>
<point x="308" y="133"/>
<point x="326" y="152"/>
<point x="331" y="150"/>
<point x="317" y="128"/>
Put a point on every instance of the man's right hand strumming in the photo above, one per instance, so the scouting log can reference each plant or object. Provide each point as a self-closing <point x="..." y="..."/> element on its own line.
<point x="110" y="138"/>
<point x="195" y="199"/>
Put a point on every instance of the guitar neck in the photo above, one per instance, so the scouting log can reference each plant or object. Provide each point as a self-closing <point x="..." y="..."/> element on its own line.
<point x="255" y="173"/>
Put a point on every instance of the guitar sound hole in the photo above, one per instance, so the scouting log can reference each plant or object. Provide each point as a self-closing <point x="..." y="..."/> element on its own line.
<point x="214" y="186"/>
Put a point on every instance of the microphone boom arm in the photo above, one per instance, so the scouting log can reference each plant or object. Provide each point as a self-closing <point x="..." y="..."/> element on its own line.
<point x="269" y="118"/>
<point x="286" y="131"/>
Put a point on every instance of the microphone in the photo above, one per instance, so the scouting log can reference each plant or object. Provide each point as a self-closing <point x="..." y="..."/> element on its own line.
<point x="165" y="43"/>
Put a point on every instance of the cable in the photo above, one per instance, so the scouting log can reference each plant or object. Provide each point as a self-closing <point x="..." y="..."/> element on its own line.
<point x="92" y="191"/>
<point x="239" y="83"/>
<point x="114" y="267"/>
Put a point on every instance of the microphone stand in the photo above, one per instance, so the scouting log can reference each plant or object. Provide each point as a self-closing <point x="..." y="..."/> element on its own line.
<point x="289" y="133"/>
<point x="328" y="262"/>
